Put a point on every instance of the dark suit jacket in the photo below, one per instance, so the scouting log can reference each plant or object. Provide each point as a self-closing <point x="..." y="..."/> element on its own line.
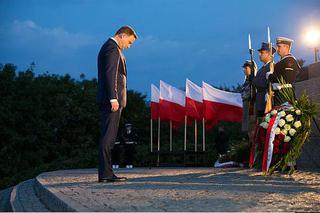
<point x="261" y="84"/>
<point x="112" y="74"/>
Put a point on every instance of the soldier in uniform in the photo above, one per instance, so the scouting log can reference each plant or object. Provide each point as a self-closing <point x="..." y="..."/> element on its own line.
<point x="129" y="138"/>
<point x="116" y="151"/>
<point x="259" y="81"/>
<point x="285" y="70"/>
<point x="247" y="95"/>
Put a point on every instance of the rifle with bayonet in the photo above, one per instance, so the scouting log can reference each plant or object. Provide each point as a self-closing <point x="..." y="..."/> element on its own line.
<point x="269" y="98"/>
<point x="251" y="76"/>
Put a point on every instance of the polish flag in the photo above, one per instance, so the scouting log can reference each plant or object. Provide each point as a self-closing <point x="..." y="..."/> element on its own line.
<point x="171" y="104"/>
<point x="194" y="106"/>
<point x="155" y="95"/>
<point x="221" y="105"/>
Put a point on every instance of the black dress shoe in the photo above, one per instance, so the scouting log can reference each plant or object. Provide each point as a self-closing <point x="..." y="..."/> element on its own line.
<point x="113" y="179"/>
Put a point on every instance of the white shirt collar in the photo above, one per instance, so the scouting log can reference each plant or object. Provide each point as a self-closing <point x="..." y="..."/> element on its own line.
<point x="286" y="56"/>
<point x="115" y="40"/>
<point x="266" y="63"/>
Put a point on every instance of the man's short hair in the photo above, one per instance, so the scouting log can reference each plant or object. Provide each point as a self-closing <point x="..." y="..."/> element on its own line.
<point x="128" y="31"/>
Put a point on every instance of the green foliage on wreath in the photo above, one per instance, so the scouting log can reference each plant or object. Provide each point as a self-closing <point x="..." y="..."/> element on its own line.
<point x="308" y="110"/>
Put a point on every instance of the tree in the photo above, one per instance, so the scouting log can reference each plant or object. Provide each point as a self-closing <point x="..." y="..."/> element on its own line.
<point x="50" y="122"/>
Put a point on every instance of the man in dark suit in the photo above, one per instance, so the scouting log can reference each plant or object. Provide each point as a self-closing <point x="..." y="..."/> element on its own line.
<point x="112" y="96"/>
<point x="260" y="80"/>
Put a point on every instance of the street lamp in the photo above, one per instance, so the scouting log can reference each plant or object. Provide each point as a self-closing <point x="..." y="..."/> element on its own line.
<point x="312" y="38"/>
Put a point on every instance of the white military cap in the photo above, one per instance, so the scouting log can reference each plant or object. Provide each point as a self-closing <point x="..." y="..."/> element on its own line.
<point x="284" y="40"/>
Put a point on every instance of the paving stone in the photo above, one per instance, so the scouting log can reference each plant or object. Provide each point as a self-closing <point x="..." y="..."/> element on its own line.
<point x="186" y="189"/>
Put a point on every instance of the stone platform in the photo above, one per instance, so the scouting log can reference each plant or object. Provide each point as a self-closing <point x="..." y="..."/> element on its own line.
<point x="170" y="189"/>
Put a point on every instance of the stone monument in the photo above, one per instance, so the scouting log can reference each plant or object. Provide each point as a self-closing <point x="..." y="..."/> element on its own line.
<point x="309" y="81"/>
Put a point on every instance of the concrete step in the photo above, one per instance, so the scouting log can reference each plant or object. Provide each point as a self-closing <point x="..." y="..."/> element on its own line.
<point x="23" y="198"/>
<point x="50" y="198"/>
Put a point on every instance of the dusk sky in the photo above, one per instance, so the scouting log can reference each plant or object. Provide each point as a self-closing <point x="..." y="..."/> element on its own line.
<point x="203" y="40"/>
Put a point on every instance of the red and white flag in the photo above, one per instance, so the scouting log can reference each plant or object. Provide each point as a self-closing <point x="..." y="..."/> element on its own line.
<point x="221" y="105"/>
<point x="155" y="96"/>
<point x="171" y="104"/>
<point x="194" y="106"/>
<point x="268" y="145"/>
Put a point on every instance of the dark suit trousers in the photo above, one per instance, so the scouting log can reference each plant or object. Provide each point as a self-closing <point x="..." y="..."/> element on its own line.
<point x="109" y="129"/>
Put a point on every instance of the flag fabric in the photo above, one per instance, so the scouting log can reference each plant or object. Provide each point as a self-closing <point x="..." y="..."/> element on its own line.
<point x="268" y="145"/>
<point x="194" y="106"/>
<point x="155" y="96"/>
<point x="171" y="104"/>
<point x="220" y="105"/>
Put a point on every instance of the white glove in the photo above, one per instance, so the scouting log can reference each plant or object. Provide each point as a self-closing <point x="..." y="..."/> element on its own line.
<point x="267" y="74"/>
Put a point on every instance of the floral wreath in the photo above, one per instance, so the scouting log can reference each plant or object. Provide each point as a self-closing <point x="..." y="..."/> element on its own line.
<point x="283" y="132"/>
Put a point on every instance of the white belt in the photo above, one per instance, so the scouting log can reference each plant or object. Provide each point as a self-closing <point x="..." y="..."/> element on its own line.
<point x="277" y="86"/>
<point x="130" y="142"/>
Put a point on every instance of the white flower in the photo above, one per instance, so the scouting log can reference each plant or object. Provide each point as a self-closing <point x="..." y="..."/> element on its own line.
<point x="284" y="132"/>
<point x="273" y="112"/>
<point x="291" y="109"/>
<point x="267" y="119"/>
<point x="297" y="124"/>
<point x="277" y="131"/>
<point x="282" y="114"/>
<point x="298" y="112"/>
<point x="268" y="116"/>
<point x="292" y="132"/>
<point x="287" y="127"/>
<point x="287" y="138"/>
<point x="282" y="122"/>
<point x="289" y="118"/>
<point x="264" y="125"/>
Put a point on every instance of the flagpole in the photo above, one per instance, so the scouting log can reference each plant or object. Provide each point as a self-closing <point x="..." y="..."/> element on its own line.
<point x="158" y="153"/>
<point x="195" y="136"/>
<point x="185" y="133"/>
<point x="203" y="135"/>
<point x="151" y="135"/>
<point x="158" y="134"/>
<point x="170" y="135"/>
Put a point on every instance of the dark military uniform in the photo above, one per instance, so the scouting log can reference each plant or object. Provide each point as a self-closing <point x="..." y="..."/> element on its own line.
<point x="116" y="152"/>
<point x="261" y="84"/>
<point x="129" y="138"/>
<point x="286" y="69"/>
<point x="285" y="72"/>
<point x="247" y="95"/>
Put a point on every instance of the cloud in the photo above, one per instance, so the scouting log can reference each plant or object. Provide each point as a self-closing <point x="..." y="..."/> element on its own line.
<point x="28" y="32"/>
<point x="55" y="49"/>
<point x="154" y="58"/>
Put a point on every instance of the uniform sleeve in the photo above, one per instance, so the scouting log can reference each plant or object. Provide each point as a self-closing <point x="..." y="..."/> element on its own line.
<point x="291" y="68"/>
<point x="271" y="76"/>
<point x="260" y="80"/>
<point x="112" y="58"/>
